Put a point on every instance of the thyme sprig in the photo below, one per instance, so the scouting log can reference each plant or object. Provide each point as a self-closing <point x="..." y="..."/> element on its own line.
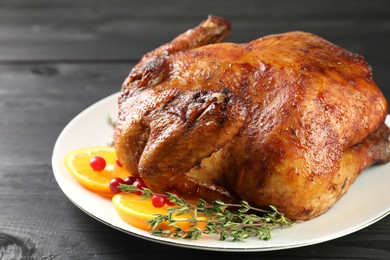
<point x="111" y="122"/>
<point x="228" y="220"/>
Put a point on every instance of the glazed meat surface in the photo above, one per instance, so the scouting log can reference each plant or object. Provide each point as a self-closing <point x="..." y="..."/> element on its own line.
<point x="289" y="120"/>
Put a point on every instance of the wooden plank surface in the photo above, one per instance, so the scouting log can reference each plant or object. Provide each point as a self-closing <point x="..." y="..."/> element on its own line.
<point x="59" y="57"/>
<point x="53" y="29"/>
<point x="90" y="31"/>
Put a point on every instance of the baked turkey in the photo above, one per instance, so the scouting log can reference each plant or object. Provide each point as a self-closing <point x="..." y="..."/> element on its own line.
<point x="288" y="120"/>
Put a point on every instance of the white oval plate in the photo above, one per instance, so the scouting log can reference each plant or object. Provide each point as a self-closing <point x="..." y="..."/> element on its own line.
<point x="366" y="202"/>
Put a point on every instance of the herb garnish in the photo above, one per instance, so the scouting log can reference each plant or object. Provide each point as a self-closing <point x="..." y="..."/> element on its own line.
<point x="236" y="221"/>
<point x="111" y="122"/>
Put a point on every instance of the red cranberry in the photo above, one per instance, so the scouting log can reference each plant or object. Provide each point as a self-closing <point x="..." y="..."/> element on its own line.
<point x="140" y="184"/>
<point x="118" y="162"/>
<point x="97" y="163"/>
<point x="158" y="201"/>
<point x="129" y="180"/>
<point x="114" y="184"/>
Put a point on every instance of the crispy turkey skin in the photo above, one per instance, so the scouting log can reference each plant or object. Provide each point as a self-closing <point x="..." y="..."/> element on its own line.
<point x="288" y="120"/>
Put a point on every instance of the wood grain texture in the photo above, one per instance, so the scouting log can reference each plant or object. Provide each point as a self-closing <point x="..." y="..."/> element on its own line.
<point x="119" y="31"/>
<point x="59" y="57"/>
<point x="54" y="29"/>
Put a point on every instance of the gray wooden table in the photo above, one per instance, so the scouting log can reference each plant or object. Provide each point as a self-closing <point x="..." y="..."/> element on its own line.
<point x="59" y="57"/>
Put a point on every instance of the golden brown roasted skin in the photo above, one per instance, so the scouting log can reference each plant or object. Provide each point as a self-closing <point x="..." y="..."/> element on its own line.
<point x="289" y="120"/>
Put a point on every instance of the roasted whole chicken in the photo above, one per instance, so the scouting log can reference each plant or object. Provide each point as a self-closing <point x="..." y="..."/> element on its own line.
<point x="288" y="120"/>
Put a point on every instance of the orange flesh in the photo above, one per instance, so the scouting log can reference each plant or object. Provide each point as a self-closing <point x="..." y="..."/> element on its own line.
<point x="77" y="162"/>
<point x="129" y="206"/>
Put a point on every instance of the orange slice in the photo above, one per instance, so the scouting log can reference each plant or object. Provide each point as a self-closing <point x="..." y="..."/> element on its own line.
<point x="77" y="162"/>
<point x="136" y="211"/>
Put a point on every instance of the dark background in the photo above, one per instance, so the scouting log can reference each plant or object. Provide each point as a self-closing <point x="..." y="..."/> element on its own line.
<point x="59" y="57"/>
